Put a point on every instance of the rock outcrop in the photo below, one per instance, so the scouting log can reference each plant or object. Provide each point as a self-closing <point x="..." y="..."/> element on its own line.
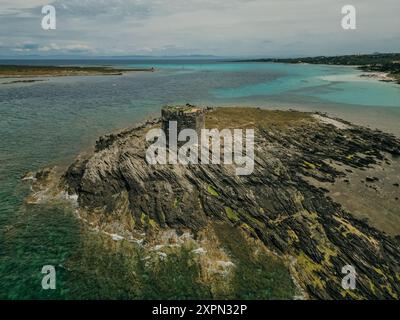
<point x="277" y="204"/>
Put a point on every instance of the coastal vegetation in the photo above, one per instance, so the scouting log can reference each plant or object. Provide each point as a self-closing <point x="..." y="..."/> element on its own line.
<point x="379" y="62"/>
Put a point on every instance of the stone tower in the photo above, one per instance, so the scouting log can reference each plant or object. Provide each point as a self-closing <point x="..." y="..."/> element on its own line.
<point x="187" y="117"/>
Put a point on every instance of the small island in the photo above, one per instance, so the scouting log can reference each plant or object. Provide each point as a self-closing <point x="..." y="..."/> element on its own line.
<point x="283" y="232"/>
<point x="21" y="71"/>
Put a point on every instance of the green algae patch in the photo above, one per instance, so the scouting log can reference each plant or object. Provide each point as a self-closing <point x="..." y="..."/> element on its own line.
<point x="309" y="270"/>
<point x="176" y="203"/>
<point x="212" y="191"/>
<point x="250" y="220"/>
<point x="143" y="218"/>
<point x="309" y="165"/>
<point x="153" y="223"/>
<point x="292" y="236"/>
<point x="232" y="215"/>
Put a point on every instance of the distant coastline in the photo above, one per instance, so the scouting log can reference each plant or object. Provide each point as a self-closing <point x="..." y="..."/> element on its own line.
<point x="382" y="66"/>
<point x="22" y="71"/>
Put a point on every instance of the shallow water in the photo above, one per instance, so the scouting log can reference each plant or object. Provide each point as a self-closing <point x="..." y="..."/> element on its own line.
<point x="50" y="122"/>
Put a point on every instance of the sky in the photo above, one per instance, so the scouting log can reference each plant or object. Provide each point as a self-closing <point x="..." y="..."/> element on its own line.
<point x="234" y="28"/>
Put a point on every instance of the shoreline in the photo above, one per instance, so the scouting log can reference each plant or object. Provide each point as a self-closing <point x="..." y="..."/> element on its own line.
<point x="376" y="63"/>
<point x="378" y="75"/>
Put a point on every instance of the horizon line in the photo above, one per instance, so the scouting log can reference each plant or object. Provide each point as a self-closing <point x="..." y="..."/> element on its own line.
<point x="204" y="56"/>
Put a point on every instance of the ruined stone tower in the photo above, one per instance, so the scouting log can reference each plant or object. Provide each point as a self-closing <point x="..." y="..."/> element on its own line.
<point x="187" y="117"/>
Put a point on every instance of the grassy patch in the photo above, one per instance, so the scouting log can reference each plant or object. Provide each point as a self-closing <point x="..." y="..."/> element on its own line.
<point x="251" y="118"/>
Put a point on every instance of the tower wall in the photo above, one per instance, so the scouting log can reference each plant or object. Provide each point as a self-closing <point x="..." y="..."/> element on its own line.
<point x="187" y="117"/>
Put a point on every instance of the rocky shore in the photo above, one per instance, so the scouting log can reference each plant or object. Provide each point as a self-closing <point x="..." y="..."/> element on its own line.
<point x="286" y="205"/>
<point x="381" y="76"/>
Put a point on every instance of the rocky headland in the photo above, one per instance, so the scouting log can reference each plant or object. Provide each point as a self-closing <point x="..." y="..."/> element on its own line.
<point x="297" y="211"/>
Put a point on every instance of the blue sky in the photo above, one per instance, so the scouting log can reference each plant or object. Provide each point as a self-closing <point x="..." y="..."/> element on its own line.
<point x="185" y="27"/>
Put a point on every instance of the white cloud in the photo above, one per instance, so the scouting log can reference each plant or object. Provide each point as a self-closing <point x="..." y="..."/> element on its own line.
<point x="15" y="7"/>
<point x="50" y="47"/>
<point x="225" y="27"/>
<point x="66" y="48"/>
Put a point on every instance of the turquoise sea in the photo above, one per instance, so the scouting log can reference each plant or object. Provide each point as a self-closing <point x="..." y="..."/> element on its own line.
<point x="50" y="122"/>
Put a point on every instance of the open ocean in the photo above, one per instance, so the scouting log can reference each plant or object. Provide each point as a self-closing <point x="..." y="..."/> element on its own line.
<point x="50" y="122"/>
